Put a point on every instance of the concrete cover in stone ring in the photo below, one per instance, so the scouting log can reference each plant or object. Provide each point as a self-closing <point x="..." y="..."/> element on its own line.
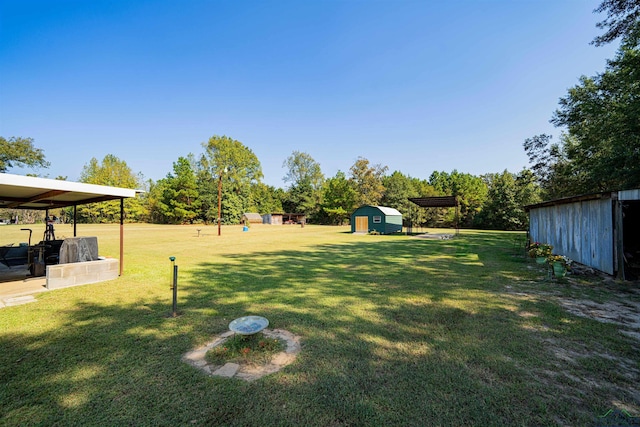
<point x="197" y="359"/>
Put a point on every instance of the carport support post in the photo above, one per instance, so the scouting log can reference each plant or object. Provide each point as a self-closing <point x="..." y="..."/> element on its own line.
<point x="121" y="235"/>
<point x="174" y="286"/>
<point x="75" y="220"/>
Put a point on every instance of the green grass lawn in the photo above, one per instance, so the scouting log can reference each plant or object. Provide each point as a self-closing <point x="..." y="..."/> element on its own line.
<point x="396" y="330"/>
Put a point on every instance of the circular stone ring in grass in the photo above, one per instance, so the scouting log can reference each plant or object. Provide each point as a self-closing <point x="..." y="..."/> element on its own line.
<point x="248" y="325"/>
<point x="197" y="358"/>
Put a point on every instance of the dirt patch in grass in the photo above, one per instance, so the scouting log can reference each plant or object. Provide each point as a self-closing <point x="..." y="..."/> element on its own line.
<point x="618" y="304"/>
<point x="625" y="314"/>
<point x="605" y="369"/>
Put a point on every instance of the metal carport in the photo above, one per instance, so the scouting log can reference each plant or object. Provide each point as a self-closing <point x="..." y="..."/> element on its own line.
<point x="439" y="202"/>
<point x="26" y="192"/>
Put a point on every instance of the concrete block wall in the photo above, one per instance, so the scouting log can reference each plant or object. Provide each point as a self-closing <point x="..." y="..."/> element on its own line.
<point x="82" y="273"/>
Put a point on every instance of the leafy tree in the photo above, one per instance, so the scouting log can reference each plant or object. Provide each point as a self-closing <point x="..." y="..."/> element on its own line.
<point x="499" y="209"/>
<point x="470" y="190"/>
<point x="265" y="199"/>
<point x="367" y="181"/>
<point x="528" y="191"/>
<point x="399" y="188"/>
<point x="301" y="198"/>
<point x="339" y="199"/>
<point x="17" y="151"/>
<point x="507" y="195"/>
<point x="115" y="173"/>
<point x="601" y="114"/>
<point x="305" y="178"/>
<point x="235" y="202"/>
<point x="237" y="167"/>
<point x="111" y="171"/>
<point x="422" y="216"/>
<point x="622" y="21"/>
<point x="555" y="173"/>
<point x="542" y="156"/>
<point x="207" y="190"/>
<point x="600" y="150"/>
<point x="177" y="196"/>
<point x="303" y="169"/>
<point x="153" y="202"/>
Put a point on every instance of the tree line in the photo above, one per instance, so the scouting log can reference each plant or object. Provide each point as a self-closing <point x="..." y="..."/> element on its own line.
<point x="227" y="168"/>
<point x="227" y="174"/>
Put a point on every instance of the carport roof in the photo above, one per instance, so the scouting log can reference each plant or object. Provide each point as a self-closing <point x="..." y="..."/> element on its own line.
<point x="26" y="192"/>
<point x="435" y="202"/>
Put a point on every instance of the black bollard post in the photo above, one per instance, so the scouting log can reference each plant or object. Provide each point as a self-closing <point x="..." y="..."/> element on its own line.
<point x="175" y="286"/>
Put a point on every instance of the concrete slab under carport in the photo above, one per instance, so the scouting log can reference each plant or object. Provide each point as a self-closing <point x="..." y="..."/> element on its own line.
<point x="19" y="284"/>
<point x="58" y="276"/>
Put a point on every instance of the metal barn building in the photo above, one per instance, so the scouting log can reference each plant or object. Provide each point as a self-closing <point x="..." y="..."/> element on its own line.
<point x="284" y="218"/>
<point x="600" y="230"/>
<point x="272" y="218"/>
<point x="382" y="219"/>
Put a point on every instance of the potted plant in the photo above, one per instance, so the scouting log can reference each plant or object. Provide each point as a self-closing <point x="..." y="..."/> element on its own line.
<point x="560" y="264"/>
<point x="540" y="251"/>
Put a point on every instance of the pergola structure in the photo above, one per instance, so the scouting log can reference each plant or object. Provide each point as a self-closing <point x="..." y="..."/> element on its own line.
<point x="26" y="192"/>
<point x="439" y="202"/>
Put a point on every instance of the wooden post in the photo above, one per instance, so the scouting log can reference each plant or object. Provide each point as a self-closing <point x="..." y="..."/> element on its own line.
<point x="219" y="202"/>
<point x="457" y="216"/>
<point x="618" y="237"/>
<point x="121" y="235"/>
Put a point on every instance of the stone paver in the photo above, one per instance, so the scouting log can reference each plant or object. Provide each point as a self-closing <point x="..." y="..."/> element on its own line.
<point x="8" y="302"/>
<point x="228" y="370"/>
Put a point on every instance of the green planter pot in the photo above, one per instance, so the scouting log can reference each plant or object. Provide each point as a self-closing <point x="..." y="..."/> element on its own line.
<point x="559" y="269"/>
<point x="541" y="260"/>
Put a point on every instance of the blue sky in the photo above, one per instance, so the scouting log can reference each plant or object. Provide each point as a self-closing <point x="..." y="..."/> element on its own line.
<point x="417" y="86"/>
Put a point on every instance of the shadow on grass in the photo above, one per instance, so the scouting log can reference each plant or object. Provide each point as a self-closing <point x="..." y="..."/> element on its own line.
<point x="400" y="332"/>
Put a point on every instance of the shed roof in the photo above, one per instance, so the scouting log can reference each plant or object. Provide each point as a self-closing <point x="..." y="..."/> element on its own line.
<point x="567" y="200"/>
<point x="615" y="195"/>
<point x="27" y="192"/>
<point x="384" y="209"/>
<point x="252" y="216"/>
<point x="388" y="211"/>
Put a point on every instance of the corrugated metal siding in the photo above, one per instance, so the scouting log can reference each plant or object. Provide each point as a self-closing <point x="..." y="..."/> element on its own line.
<point x="629" y="195"/>
<point x="273" y="219"/>
<point x="582" y="231"/>
<point x="389" y="224"/>
<point x="393" y="224"/>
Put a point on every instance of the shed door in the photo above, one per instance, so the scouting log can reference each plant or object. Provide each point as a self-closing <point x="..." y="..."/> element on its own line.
<point x="362" y="224"/>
